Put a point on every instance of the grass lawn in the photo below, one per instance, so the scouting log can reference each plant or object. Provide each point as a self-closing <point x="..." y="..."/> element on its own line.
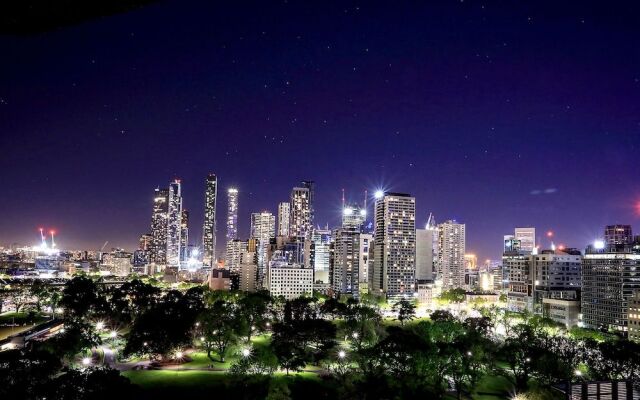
<point x="167" y="378"/>
<point x="493" y="387"/>
<point x="6" y="331"/>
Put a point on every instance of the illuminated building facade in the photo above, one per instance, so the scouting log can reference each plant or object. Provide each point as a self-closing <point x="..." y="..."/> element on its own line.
<point x="159" y="219"/>
<point x="301" y="222"/>
<point x="610" y="275"/>
<point x="184" y="236"/>
<point x="284" y="216"/>
<point x="393" y="272"/>
<point x="174" y="223"/>
<point x="345" y="269"/>
<point x="209" y="229"/>
<point x="618" y="234"/>
<point x="232" y="214"/>
<point x="527" y="238"/>
<point x="263" y="229"/>
<point x="451" y="250"/>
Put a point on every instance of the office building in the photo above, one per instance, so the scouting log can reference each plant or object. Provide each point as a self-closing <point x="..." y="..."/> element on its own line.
<point x="184" y="236"/>
<point x="220" y="279"/>
<point x="393" y="271"/>
<point x="526" y="237"/>
<point x="634" y="316"/>
<point x="451" y="251"/>
<point x="209" y="228"/>
<point x="232" y="214"/>
<point x="610" y="275"/>
<point x="353" y="216"/>
<point x="425" y="253"/>
<point x="284" y="216"/>
<point x="319" y="258"/>
<point x="618" y="234"/>
<point x="288" y="280"/>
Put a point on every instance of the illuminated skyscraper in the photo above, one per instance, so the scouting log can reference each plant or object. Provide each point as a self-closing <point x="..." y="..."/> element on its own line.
<point x="209" y="230"/>
<point x="158" y="245"/>
<point x="345" y="269"/>
<point x="610" y="275"/>
<point x="174" y="223"/>
<point x="232" y="214"/>
<point x="353" y="216"/>
<point x="451" y="249"/>
<point x="284" y="216"/>
<point x="425" y="251"/>
<point x="393" y="271"/>
<point x="301" y="223"/>
<point x="184" y="236"/>
<point x="263" y="229"/>
<point x="319" y="257"/>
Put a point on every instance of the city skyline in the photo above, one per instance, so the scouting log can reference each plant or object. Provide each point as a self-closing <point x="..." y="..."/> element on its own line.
<point x="513" y="119"/>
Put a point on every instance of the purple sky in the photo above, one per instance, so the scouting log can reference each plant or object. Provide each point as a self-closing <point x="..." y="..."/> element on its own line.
<point x="498" y="114"/>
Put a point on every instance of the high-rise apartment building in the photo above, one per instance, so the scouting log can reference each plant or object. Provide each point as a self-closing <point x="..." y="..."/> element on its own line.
<point x="232" y="214"/>
<point x="301" y="222"/>
<point x="209" y="229"/>
<point x="366" y="249"/>
<point x="174" y="223"/>
<point x="610" y="275"/>
<point x="263" y="229"/>
<point x="451" y="250"/>
<point x="159" y="220"/>
<point x="284" y="216"/>
<point x="393" y="271"/>
<point x="527" y="238"/>
<point x="233" y="254"/>
<point x="425" y="253"/>
<point x="345" y="269"/>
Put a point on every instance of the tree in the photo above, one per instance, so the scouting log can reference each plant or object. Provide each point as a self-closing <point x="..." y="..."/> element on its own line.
<point x="80" y="297"/>
<point x="92" y="383"/>
<point x="441" y="315"/>
<point x="332" y="308"/>
<point x="218" y="326"/>
<point x="362" y="325"/>
<point x="24" y="373"/>
<point x="252" y="310"/>
<point x="133" y="298"/>
<point x="521" y="353"/>
<point x="615" y="360"/>
<point x="165" y="326"/>
<point x="78" y="336"/>
<point x="456" y="295"/>
<point x="406" y="311"/>
<point x="40" y="291"/>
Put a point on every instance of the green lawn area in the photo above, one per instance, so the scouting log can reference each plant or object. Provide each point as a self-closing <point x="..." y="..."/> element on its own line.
<point x="493" y="387"/>
<point x="167" y="378"/>
<point x="6" y="331"/>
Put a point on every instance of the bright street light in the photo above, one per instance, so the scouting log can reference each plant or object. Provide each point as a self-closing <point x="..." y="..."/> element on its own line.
<point x="342" y="354"/>
<point x="113" y="334"/>
<point x="86" y="361"/>
<point x="246" y="352"/>
<point x="99" y="325"/>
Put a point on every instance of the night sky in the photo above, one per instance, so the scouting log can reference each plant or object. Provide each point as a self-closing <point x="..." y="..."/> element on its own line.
<point x="495" y="114"/>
